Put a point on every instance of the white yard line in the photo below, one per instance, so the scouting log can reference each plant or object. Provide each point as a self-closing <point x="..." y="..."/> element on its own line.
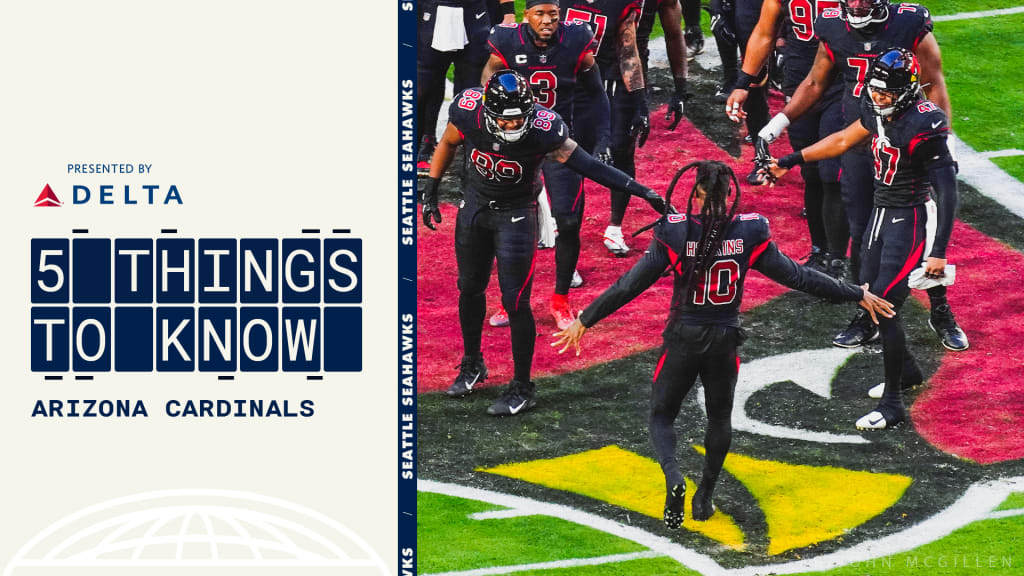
<point x="1002" y="153"/>
<point x="976" y="504"/>
<point x="979" y="14"/>
<point x="989" y="179"/>
<point x="552" y="565"/>
<point x="501" y="514"/>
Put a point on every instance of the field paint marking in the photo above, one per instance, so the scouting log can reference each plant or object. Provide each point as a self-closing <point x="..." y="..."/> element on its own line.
<point x="812" y="370"/>
<point x="989" y="179"/>
<point x="552" y="565"/>
<point x="658" y="544"/>
<point x="979" y="14"/>
<point x="976" y="504"/>
<point x="1002" y="153"/>
<point x="501" y="514"/>
<point x="1005" y="514"/>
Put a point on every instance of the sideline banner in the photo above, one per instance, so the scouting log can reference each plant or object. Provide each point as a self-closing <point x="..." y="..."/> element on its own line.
<point x="199" y="298"/>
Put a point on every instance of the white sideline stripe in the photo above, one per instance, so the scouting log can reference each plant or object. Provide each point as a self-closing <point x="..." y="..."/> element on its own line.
<point x="1002" y="153"/>
<point x="979" y="14"/>
<point x="553" y="565"/>
<point x="976" y="504"/>
<point x="658" y="544"/>
<point x="500" y="514"/>
<point x="1005" y="514"/>
<point x="989" y="179"/>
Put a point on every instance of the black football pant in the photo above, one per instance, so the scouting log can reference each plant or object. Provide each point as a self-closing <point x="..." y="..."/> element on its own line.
<point x="894" y="245"/>
<point x="508" y="233"/>
<point x="566" y="196"/>
<point x="708" y="352"/>
<point x="756" y="105"/>
<point x="826" y="217"/>
<point x="623" y="144"/>
<point x="432" y="65"/>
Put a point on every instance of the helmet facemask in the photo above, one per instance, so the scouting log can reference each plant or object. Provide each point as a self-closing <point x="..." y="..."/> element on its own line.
<point x="895" y="74"/>
<point x="861" y="13"/>
<point x="508" y="97"/>
<point x="508" y="136"/>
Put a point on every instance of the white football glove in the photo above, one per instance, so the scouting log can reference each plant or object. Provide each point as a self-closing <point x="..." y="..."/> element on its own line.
<point x="773" y="129"/>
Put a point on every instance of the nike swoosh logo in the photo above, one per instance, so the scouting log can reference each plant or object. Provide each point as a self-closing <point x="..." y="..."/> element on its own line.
<point x="876" y="422"/>
<point x="518" y="218"/>
<point x="515" y="410"/>
<point x="469" y="385"/>
<point x="897" y="220"/>
<point x="936" y="124"/>
<point x="481" y="15"/>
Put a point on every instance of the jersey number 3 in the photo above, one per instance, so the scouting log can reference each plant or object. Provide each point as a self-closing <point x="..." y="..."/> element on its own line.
<point x="718" y="286"/>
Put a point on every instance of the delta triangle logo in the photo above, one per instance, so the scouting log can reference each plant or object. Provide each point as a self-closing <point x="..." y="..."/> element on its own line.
<point x="48" y="198"/>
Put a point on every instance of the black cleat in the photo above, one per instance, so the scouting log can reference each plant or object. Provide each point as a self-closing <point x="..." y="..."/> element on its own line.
<point x="703" y="507"/>
<point x="694" y="38"/>
<point x="860" y="331"/>
<point x="472" y="371"/>
<point x="721" y="94"/>
<point x="943" y="323"/>
<point x="838" y="269"/>
<point x="674" y="500"/>
<point x="817" y="260"/>
<point x="518" y="397"/>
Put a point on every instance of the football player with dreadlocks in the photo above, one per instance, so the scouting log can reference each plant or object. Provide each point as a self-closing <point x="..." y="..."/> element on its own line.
<point x="507" y="136"/>
<point x="908" y="136"/>
<point x="709" y="253"/>
<point x="850" y="37"/>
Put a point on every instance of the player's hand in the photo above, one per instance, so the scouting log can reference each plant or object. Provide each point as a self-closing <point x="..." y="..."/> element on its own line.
<point x="773" y="129"/>
<point x="934" y="267"/>
<point x="676" y="110"/>
<point x="571" y="336"/>
<point x="640" y="128"/>
<point x="875" y="305"/>
<point x="603" y="152"/>
<point x="655" y="200"/>
<point x="430" y="209"/>
<point x="734" y="105"/>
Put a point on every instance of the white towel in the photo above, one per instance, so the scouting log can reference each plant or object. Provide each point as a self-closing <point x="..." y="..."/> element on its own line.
<point x="449" y="30"/>
<point x="919" y="281"/>
<point x="545" y="222"/>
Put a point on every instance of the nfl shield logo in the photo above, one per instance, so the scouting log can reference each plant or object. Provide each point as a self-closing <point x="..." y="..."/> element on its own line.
<point x="867" y="46"/>
<point x="496" y="146"/>
<point x="543" y="58"/>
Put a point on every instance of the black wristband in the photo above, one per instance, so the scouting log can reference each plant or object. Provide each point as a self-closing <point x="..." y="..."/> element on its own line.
<point x="680" y="84"/>
<point x="508" y="8"/>
<point x="745" y="81"/>
<point x="790" y="160"/>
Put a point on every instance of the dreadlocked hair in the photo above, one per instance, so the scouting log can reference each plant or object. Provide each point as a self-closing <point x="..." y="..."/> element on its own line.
<point x="718" y="181"/>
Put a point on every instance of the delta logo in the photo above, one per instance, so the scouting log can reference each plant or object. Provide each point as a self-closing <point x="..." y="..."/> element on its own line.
<point x="106" y="194"/>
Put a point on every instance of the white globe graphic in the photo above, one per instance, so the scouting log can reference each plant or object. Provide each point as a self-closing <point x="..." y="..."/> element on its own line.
<point x="197" y="532"/>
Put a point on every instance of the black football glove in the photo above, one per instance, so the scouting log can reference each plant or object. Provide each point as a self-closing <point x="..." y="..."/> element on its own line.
<point x="761" y="174"/>
<point x="640" y="126"/>
<point x="677" y="104"/>
<point x="603" y="152"/>
<point x="430" y="209"/>
<point x="655" y="200"/>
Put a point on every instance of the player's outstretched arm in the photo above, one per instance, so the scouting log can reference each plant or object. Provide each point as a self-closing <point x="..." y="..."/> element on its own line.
<point x="640" y="277"/>
<point x="590" y="81"/>
<point x="875" y="305"/>
<point x="932" y="79"/>
<point x="830" y="147"/>
<point x="576" y="158"/>
<point x="759" y="48"/>
<point x="807" y="93"/>
<point x="443" y="155"/>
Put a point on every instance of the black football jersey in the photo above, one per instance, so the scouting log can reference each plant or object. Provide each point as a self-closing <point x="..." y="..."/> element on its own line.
<point x="551" y="71"/>
<point x="717" y="295"/>
<point x="802" y="42"/>
<point x="499" y="170"/>
<point x="904" y="151"/>
<point x="603" y="17"/>
<point x="852" y="50"/>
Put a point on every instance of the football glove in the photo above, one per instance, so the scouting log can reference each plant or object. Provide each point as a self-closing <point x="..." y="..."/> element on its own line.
<point x="773" y="129"/>
<point x="761" y="174"/>
<point x="677" y="104"/>
<point x="603" y="152"/>
<point x="430" y="209"/>
<point x="640" y="127"/>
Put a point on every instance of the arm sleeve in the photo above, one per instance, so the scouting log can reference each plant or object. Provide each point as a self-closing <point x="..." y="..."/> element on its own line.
<point x="943" y="179"/>
<point x="605" y="175"/>
<point x="782" y="269"/>
<point x="590" y="80"/>
<point x="639" y="278"/>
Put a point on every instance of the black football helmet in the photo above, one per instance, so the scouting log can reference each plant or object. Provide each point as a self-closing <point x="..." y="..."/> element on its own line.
<point x="508" y="96"/>
<point x="860" y="13"/>
<point x="897" y="73"/>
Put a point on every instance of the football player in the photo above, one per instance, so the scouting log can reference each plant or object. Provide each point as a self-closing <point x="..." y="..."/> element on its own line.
<point x="449" y="32"/>
<point x="613" y="23"/>
<point x="556" y="58"/>
<point x="507" y="136"/>
<point x="850" y="37"/>
<point x="736" y="20"/>
<point x="794" y="20"/>
<point x="709" y="253"/>
<point x="676" y="44"/>
<point x="908" y="137"/>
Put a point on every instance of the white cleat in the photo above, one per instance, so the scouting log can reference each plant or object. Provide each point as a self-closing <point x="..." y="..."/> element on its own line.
<point x="874" y="420"/>
<point x="577" y="280"/>
<point x="876" y="391"/>
<point x="614" y="241"/>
